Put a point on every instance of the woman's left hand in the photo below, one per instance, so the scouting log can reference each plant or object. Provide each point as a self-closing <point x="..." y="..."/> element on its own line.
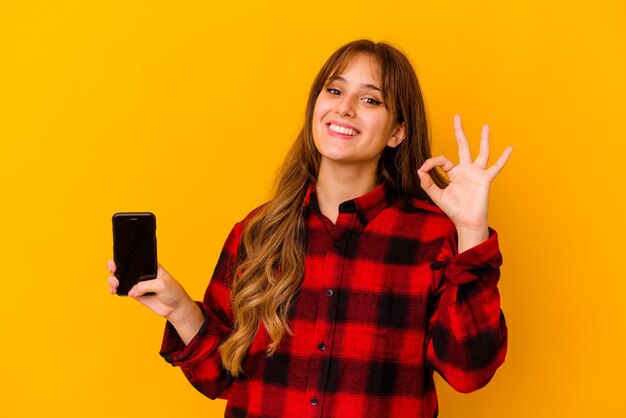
<point x="466" y="197"/>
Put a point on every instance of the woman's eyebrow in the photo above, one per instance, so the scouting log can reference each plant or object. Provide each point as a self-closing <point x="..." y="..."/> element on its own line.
<point x="365" y="85"/>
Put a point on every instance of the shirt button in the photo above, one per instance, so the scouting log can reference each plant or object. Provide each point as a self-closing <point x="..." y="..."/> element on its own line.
<point x="322" y="346"/>
<point x="329" y="292"/>
<point x="314" y="401"/>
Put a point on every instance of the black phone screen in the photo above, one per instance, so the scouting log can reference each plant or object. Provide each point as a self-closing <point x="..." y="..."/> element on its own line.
<point x="134" y="248"/>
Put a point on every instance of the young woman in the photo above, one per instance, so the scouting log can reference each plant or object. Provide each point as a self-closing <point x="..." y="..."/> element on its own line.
<point x="366" y="271"/>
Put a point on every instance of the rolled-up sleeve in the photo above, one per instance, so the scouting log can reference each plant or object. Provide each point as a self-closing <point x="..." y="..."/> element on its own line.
<point x="467" y="338"/>
<point x="200" y="360"/>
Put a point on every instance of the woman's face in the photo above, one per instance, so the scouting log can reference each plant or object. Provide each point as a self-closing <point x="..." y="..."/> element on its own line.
<point x="351" y="124"/>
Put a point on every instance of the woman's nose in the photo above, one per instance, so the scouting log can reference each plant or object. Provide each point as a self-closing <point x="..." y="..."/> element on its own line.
<point x="345" y="106"/>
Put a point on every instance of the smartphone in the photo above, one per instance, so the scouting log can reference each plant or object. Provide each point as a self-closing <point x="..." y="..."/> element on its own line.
<point x="134" y="248"/>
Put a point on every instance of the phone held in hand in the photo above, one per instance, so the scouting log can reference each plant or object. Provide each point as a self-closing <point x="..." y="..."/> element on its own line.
<point x="134" y="248"/>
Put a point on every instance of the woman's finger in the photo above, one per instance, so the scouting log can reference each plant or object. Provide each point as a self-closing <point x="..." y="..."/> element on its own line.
<point x="439" y="161"/>
<point x="429" y="186"/>
<point x="499" y="164"/>
<point x="465" y="156"/>
<point x="113" y="282"/>
<point x="147" y="286"/>
<point x="483" y="153"/>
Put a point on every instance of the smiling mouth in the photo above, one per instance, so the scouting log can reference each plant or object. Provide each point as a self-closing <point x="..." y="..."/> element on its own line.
<point x="341" y="130"/>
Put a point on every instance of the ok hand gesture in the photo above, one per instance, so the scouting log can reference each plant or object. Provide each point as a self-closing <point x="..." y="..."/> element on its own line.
<point x="465" y="199"/>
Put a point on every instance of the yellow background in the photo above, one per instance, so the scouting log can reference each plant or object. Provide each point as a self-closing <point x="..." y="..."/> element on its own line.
<point x="186" y="108"/>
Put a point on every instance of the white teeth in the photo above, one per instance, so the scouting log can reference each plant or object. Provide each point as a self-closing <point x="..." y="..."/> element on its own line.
<point x="342" y="130"/>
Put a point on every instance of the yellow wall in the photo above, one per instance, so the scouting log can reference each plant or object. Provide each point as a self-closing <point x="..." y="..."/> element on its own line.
<point x="185" y="109"/>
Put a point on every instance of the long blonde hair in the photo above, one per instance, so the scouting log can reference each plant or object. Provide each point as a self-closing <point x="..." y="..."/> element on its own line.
<point x="273" y="243"/>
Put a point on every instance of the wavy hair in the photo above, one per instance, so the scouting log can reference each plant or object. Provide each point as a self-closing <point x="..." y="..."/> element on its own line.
<point x="273" y="244"/>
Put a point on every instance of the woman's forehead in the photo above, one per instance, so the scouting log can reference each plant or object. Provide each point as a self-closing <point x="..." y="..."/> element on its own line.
<point x="346" y="65"/>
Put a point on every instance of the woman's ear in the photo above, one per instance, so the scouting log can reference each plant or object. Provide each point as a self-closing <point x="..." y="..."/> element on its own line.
<point x="397" y="136"/>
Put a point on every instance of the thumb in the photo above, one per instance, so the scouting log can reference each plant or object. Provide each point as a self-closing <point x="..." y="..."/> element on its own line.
<point x="146" y="286"/>
<point x="429" y="186"/>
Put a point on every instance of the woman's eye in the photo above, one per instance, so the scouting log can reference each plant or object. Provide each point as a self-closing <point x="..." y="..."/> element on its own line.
<point x="333" y="91"/>
<point x="371" y="101"/>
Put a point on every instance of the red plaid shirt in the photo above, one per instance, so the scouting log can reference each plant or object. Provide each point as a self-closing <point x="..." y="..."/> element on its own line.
<point x="385" y="301"/>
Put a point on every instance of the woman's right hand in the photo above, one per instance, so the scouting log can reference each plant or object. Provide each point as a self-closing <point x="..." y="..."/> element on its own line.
<point x="167" y="298"/>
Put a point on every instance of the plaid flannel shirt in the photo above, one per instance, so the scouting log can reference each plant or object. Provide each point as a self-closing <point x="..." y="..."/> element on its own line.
<point x="385" y="301"/>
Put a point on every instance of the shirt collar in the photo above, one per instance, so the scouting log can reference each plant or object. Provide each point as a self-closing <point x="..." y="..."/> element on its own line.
<point x="367" y="206"/>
